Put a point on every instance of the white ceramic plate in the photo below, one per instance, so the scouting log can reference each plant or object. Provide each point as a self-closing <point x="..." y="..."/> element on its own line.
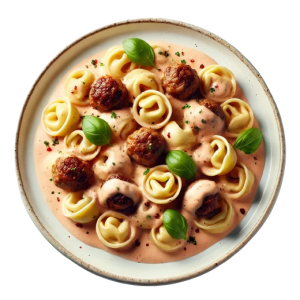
<point x="261" y="101"/>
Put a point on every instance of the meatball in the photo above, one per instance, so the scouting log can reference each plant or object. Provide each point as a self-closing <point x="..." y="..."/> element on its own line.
<point x="214" y="107"/>
<point x="145" y="146"/>
<point x="181" y="82"/>
<point x="108" y="93"/>
<point x="211" y="206"/>
<point x="119" y="202"/>
<point x="71" y="173"/>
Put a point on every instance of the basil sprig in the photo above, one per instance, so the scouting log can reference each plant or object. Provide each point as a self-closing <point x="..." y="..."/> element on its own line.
<point x="175" y="224"/>
<point x="96" y="130"/>
<point x="181" y="164"/>
<point x="139" y="52"/>
<point x="249" y="140"/>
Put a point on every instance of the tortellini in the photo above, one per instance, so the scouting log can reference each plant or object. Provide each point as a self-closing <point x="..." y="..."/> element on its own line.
<point x="178" y="138"/>
<point x="80" y="208"/>
<point x="220" y="222"/>
<point x="112" y="160"/>
<point x="117" y="63"/>
<point x="161" y="238"/>
<point x="152" y="109"/>
<point x="223" y="158"/>
<point x="78" y="85"/>
<point x="77" y="143"/>
<point x="217" y="83"/>
<point x="60" y="117"/>
<point x="161" y="186"/>
<point x="238" y="182"/>
<point x="114" y="230"/>
<point x="239" y="116"/>
<point x="140" y="80"/>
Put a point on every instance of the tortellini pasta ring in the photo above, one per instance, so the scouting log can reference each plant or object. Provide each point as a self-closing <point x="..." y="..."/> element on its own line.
<point x="238" y="182"/>
<point x="77" y="143"/>
<point x="223" y="159"/>
<point x="161" y="186"/>
<point x="217" y="83"/>
<point x="114" y="230"/>
<point x="117" y="63"/>
<point x="239" y="116"/>
<point x="78" y="85"/>
<point x="220" y="222"/>
<point x="161" y="238"/>
<point x="80" y="208"/>
<point x="60" y="117"/>
<point x="152" y="109"/>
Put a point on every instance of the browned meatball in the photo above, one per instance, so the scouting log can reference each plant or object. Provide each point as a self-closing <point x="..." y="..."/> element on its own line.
<point x="214" y="107"/>
<point x="71" y="173"/>
<point x="211" y="206"/>
<point x="119" y="202"/>
<point x="145" y="146"/>
<point x="108" y="93"/>
<point x="181" y="81"/>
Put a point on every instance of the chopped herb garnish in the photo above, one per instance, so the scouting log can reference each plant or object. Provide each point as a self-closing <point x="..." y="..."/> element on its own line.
<point x="183" y="61"/>
<point x="146" y="172"/>
<point x="186" y="106"/>
<point x="197" y="128"/>
<point x="212" y="90"/>
<point x="203" y="121"/>
<point x="148" y="217"/>
<point x="177" y="53"/>
<point x="150" y="146"/>
<point x="46" y="143"/>
<point x="73" y="169"/>
<point x="101" y="64"/>
<point x="160" y="52"/>
<point x="186" y="122"/>
<point x="118" y="188"/>
<point x="59" y="152"/>
<point x="166" y="53"/>
<point x="94" y="62"/>
<point x="52" y="192"/>
<point x="114" y="164"/>
<point x="55" y="142"/>
<point x="83" y="82"/>
<point x="200" y="111"/>
<point x="192" y="240"/>
<point x="51" y="179"/>
<point x="113" y="115"/>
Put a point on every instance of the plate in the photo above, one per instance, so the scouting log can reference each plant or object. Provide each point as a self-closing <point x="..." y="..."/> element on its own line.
<point x="262" y="103"/>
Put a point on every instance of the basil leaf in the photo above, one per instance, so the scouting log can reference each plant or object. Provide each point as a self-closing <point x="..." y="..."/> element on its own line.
<point x="139" y="52"/>
<point x="175" y="224"/>
<point x="181" y="164"/>
<point x="249" y="140"/>
<point x="96" y="130"/>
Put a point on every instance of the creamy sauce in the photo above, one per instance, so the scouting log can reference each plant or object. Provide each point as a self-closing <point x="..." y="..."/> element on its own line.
<point x="114" y="160"/>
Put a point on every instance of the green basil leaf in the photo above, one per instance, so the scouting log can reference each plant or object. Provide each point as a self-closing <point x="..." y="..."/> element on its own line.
<point x="181" y="164"/>
<point x="175" y="224"/>
<point x="249" y="140"/>
<point x="96" y="130"/>
<point x="139" y="52"/>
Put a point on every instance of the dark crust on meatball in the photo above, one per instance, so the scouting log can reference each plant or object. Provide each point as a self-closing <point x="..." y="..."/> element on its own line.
<point x="145" y="146"/>
<point x="119" y="202"/>
<point x="211" y="206"/>
<point x="214" y="107"/>
<point x="71" y="173"/>
<point x="181" y="81"/>
<point x="108" y="93"/>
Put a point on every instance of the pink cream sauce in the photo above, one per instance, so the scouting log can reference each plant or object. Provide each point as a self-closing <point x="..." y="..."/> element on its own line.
<point x="146" y="251"/>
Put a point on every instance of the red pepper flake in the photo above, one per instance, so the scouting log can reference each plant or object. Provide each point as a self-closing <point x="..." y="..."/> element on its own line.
<point x="182" y="53"/>
<point x="87" y="232"/>
<point x="242" y="210"/>
<point x="184" y="248"/>
<point x="255" y="158"/>
<point x="79" y="225"/>
<point x="148" y="204"/>
<point x="216" y="86"/>
<point x="156" y="216"/>
<point x="147" y="244"/>
<point x="169" y="135"/>
<point x="202" y="66"/>
<point x="197" y="230"/>
<point x="192" y="60"/>
<point x="49" y="149"/>
<point x="75" y="87"/>
<point x="137" y="242"/>
<point x="80" y="247"/>
<point x="58" y="199"/>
